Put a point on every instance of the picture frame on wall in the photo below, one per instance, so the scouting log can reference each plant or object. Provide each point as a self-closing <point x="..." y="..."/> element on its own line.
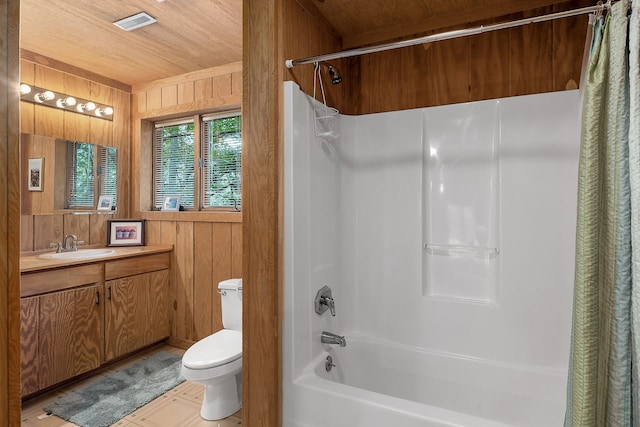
<point x="35" y="172"/>
<point x="171" y="203"/>
<point x="105" y="203"/>
<point x="125" y="232"/>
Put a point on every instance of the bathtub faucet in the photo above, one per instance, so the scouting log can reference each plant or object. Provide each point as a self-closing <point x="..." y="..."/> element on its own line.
<point x="329" y="338"/>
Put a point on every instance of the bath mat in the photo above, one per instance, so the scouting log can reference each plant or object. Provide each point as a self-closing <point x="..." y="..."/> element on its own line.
<point x="112" y="398"/>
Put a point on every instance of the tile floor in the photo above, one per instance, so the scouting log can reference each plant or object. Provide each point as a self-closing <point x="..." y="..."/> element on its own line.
<point x="179" y="407"/>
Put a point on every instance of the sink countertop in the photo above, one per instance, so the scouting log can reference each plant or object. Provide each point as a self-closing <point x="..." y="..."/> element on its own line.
<point x="31" y="263"/>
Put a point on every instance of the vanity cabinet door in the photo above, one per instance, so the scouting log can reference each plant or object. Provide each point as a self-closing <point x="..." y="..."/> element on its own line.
<point x="29" y="344"/>
<point x="136" y="312"/>
<point x="69" y="334"/>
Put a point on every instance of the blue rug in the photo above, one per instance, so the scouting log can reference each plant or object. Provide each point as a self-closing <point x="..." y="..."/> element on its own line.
<point x="112" y="398"/>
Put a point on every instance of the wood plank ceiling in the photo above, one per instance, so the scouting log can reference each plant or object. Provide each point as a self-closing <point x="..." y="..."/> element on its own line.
<point x="196" y="34"/>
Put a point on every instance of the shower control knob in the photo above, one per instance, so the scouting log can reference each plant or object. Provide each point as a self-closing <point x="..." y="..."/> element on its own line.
<point x="324" y="301"/>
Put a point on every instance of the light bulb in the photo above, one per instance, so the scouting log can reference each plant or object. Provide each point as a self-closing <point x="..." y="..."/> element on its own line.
<point x="24" y="89"/>
<point x="44" y="96"/>
<point x="69" y="101"/>
<point x="89" y="106"/>
<point x="105" y="111"/>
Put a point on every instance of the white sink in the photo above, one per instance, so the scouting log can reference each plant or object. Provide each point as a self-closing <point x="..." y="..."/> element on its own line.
<point x="79" y="254"/>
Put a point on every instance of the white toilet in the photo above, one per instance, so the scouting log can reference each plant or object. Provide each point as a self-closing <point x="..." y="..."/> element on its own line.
<point x="216" y="361"/>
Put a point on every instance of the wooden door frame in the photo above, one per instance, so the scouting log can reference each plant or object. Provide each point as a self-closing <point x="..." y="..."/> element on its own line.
<point x="10" y="215"/>
<point x="262" y="204"/>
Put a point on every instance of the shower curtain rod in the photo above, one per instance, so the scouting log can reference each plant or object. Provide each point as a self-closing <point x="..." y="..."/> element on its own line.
<point x="290" y="63"/>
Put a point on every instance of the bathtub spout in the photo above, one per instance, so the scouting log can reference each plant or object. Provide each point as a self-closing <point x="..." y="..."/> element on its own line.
<point x="329" y="338"/>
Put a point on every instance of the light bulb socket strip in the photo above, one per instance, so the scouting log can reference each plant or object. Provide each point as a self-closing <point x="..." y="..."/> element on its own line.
<point x="62" y="101"/>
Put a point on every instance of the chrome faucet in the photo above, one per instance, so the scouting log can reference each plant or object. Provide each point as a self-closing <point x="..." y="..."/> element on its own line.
<point x="329" y="338"/>
<point x="70" y="242"/>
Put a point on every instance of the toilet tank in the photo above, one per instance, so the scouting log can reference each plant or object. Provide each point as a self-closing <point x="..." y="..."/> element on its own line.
<point x="231" y="296"/>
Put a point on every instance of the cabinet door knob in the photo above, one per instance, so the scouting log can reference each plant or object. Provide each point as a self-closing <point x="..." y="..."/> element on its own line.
<point x="97" y="297"/>
<point x="109" y="295"/>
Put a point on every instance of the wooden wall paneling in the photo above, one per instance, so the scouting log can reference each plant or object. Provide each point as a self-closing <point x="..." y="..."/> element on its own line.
<point x="386" y="80"/>
<point x="221" y="268"/>
<point x="76" y="126"/>
<point x="167" y="234"/>
<point x="489" y="65"/>
<point x="236" y="83"/>
<point x="78" y="225"/>
<point x="567" y="57"/>
<point x="169" y="96"/>
<point x="153" y="232"/>
<point x="139" y="102"/>
<point x="154" y="99"/>
<point x="98" y="229"/>
<point x="262" y="212"/>
<point x="531" y="57"/>
<point x="47" y="229"/>
<point x="222" y="86"/>
<point x="101" y="129"/>
<point x="203" y="89"/>
<point x="121" y="140"/>
<point x="236" y="250"/>
<point x="450" y="76"/>
<point x="203" y="289"/>
<point x="29" y="308"/>
<point x="186" y="92"/>
<point x="26" y="233"/>
<point x="414" y="69"/>
<point x="183" y="250"/>
<point x="297" y="44"/>
<point x="27" y="75"/>
<point x="48" y="121"/>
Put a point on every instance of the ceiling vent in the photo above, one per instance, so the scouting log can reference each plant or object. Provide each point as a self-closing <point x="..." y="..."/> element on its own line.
<point x="135" y="21"/>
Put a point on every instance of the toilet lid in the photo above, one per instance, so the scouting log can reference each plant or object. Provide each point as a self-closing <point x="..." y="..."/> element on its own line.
<point x="218" y="349"/>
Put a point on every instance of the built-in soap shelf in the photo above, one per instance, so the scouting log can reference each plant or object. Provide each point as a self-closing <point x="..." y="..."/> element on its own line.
<point x="457" y="250"/>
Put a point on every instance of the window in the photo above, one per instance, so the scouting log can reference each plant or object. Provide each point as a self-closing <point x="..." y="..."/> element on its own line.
<point x="222" y="170"/>
<point x="80" y="177"/>
<point x="198" y="159"/>
<point x="91" y="171"/>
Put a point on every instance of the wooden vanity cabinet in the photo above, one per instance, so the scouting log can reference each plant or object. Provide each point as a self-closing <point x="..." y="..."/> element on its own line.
<point x="137" y="307"/>
<point x="74" y="319"/>
<point x="61" y="328"/>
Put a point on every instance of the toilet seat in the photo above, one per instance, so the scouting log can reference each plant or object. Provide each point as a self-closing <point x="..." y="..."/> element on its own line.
<point x="217" y="349"/>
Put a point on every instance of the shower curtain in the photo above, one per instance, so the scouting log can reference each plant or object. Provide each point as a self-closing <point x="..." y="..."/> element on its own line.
<point x="604" y="382"/>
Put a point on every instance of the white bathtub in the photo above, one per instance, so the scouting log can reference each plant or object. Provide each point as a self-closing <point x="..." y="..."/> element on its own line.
<point x="430" y="343"/>
<point x="378" y="384"/>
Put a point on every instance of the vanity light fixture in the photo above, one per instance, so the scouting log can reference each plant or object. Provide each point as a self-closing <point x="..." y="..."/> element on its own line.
<point x="62" y="101"/>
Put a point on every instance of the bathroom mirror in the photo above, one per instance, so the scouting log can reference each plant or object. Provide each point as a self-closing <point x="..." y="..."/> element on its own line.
<point x="69" y="175"/>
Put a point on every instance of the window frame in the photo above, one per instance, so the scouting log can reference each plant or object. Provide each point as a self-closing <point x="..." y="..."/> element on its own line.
<point x="198" y="159"/>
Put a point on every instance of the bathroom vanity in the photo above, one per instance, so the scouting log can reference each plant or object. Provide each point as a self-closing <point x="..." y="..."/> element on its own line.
<point x="78" y="314"/>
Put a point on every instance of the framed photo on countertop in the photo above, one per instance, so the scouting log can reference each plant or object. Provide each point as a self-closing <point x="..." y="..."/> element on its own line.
<point x="125" y="232"/>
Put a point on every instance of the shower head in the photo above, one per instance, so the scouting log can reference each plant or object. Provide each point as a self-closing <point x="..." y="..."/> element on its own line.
<point x="333" y="73"/>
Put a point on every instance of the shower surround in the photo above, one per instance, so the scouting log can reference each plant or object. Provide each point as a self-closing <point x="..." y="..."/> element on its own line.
<point x="447" y="237"/>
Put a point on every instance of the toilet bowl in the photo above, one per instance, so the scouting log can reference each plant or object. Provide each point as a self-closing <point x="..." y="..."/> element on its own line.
<point x="216" y="361"/>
